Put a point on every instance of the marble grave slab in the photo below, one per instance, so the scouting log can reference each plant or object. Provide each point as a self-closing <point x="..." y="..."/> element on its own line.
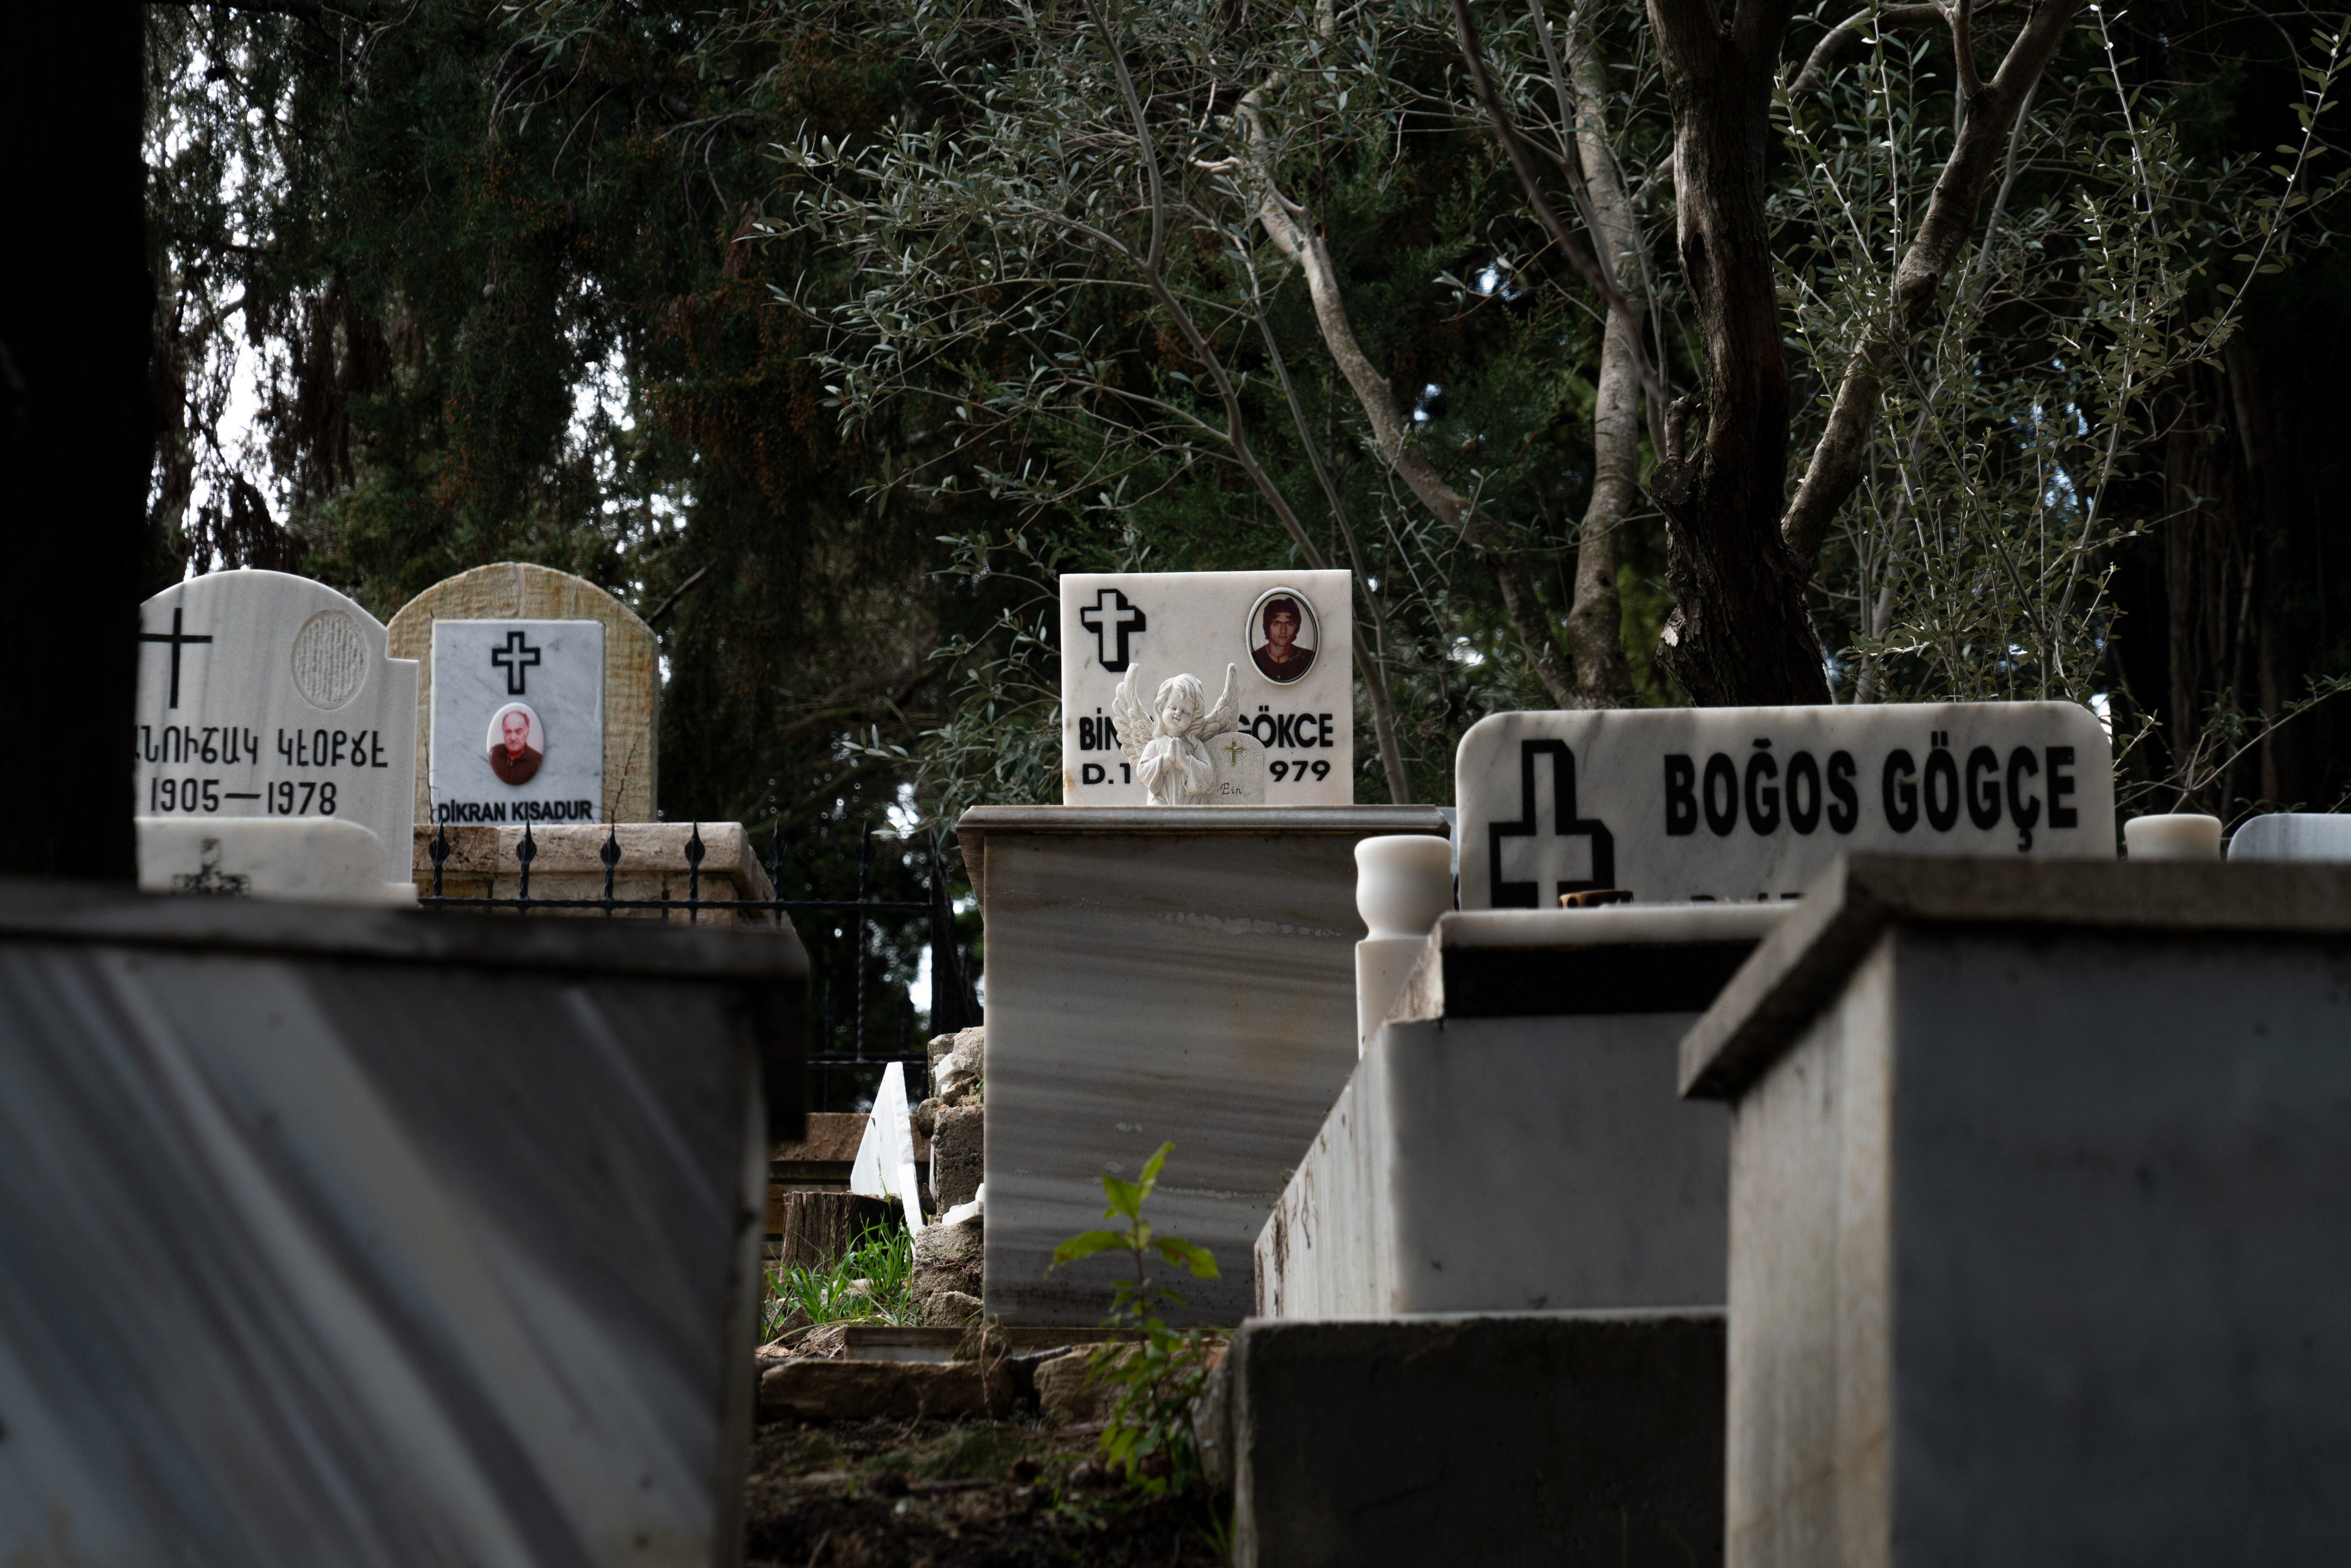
<point x="1170" y="974"/>
<point x="517" y="721"/>
<point x="359" y="1237"/>
<point x="1513" y="1139"/>
<point x="1287" y="639"/>
<point x="2038" y="1244"/>
<point x="1699" y="804"/>
<point x="264" y="694"/>
<point x="2292" y="836"/>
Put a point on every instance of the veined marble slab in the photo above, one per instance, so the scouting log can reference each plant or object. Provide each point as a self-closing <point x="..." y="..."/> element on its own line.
<point x="263" y="695"/>
<point x="305" y="859"/>
<point x="517" y="721"/>
<point x="336" y="1235"/>
<point x="1299" y="709"/>
<point x="1513" y="1140"/>
<point x="1676" y="804"/>
<point x="1159" y="974"/>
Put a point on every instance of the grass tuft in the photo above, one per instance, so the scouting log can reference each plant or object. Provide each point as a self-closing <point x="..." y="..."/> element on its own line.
<point x="872" y="1283"/>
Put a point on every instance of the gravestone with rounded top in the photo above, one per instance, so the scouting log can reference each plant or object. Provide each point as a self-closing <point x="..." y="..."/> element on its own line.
<point x="264" y="694"/>
<point x="614" y="763"/>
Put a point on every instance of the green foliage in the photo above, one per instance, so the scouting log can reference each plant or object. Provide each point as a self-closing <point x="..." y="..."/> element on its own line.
<point x="1148" y="1437"/>
<point x="871" y="1283"/>
<point x="492" y="280"/>
<point x="1975" y="564"/>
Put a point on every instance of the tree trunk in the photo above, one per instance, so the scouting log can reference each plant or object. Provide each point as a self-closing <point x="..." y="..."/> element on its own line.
<point x="75" y="416"/>
<point x="1740" y="634"/>
<point x="1595" y="623"/>
<point x="1993" y="121"/>
<point x="1595" y="634"/>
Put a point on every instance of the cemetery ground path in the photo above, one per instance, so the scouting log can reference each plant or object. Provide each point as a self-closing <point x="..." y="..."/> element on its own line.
<point x="968" y="1494"/>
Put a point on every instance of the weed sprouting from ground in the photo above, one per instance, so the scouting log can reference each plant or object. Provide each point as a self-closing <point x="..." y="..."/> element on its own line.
<point x="871" y="1283"/>
<point x="1157" y="1379"/>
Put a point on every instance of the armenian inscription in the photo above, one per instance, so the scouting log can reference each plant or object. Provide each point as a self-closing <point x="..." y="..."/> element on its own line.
<point x="264" y="694"/>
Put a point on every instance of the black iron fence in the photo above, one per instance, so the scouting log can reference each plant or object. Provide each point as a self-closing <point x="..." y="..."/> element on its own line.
<point x="953" y="1001"/>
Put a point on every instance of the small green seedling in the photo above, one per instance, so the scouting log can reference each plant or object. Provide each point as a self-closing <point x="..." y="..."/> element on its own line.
<point x="1147" y="1436"/>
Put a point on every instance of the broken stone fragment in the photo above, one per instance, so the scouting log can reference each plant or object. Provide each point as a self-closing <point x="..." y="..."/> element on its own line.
<point x="950" y="1308"/>
<point x="947" y="1259"/>
<point x="959" y="1073"/>
<point x="898" y="1390"/>
<point x="958" y="1155"/>
<point x="1065" y="1395"/>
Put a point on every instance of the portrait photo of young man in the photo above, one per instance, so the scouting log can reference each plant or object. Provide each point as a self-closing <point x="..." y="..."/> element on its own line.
<point x="1283" y="636"/>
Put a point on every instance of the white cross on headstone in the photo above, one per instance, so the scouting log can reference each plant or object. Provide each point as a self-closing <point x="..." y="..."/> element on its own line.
<point x="1113" y="621"/>
<point x="1548" y="850"/>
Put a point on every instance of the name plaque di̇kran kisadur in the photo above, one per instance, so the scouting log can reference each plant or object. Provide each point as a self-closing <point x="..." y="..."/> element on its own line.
<point x="517" y="721"/>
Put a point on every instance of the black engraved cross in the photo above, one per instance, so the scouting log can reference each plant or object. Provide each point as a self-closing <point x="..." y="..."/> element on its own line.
<point x="1110" y="618"/>
<point x="1564" y="824"/>
<point x="514" y="658"/>
<point x="177" y="639"/>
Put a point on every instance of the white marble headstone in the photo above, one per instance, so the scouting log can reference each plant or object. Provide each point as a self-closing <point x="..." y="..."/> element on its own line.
<point x="1678" y="804"/>
<point x="1300" y="710"/>
<point x="264" y="694"/>
<point x="517" y="721"/>
<point x="2292" y="836"/>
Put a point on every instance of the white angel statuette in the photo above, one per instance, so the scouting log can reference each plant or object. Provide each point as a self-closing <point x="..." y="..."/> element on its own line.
<point x="1168" y="743"/>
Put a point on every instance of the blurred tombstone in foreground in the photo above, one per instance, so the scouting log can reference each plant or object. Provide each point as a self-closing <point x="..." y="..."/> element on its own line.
<point x="358" y="1236"/>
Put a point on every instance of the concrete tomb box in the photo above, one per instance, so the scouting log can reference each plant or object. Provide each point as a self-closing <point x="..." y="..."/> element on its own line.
<point x="1503" y="1441"/>
<point x="1268" y="717"/>
<point x="269" y="696"/>
<point x="1512" y="1140"/>
<point x="1155" y="974"/>
<point x="1682" y="804"/>
<point x="2039" y="1241"/>
<point x="366" y="1237"/>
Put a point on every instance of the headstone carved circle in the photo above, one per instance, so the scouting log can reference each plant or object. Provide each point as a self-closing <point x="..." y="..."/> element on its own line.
<point x="264" y="694"/>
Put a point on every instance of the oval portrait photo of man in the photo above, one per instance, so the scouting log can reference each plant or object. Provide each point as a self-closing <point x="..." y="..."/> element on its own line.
<point x="517" y="743"/>
<point x="1283" y="633"/>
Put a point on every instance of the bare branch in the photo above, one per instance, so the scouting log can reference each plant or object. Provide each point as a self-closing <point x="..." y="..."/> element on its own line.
<point x="1577" y="256"/>
<point x="306" y="10"/>
<point x="1836" y="468"/>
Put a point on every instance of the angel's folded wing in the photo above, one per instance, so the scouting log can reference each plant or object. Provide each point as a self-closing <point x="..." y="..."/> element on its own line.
<point x="1130" y="716"/>
<point x="1225" y="715"/>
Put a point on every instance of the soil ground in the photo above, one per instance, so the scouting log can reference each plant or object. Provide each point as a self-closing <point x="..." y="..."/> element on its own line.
<point x="938" y="1494"/>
